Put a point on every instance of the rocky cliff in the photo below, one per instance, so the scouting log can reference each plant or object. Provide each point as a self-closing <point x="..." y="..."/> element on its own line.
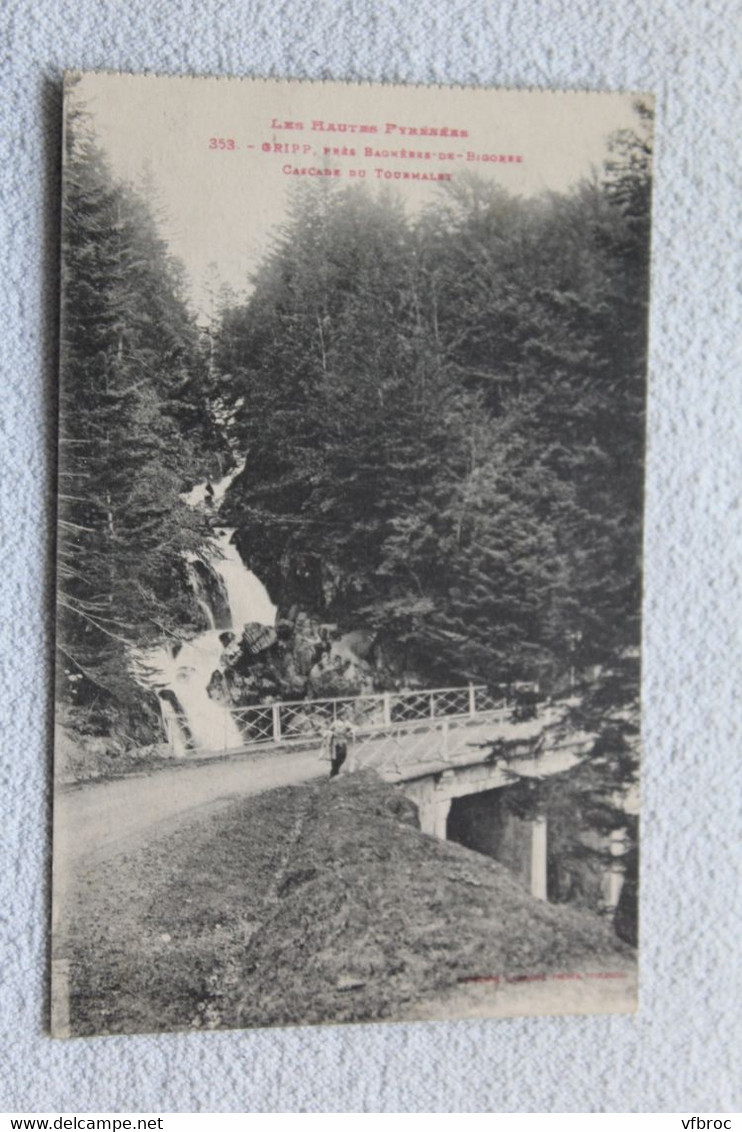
<point x="300" y="657"/>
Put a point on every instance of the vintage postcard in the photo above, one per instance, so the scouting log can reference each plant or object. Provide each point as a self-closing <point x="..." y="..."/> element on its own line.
<point x="351" y="451"/>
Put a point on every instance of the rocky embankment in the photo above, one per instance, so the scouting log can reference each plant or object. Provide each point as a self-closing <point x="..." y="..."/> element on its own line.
<point x="301" y="657"/>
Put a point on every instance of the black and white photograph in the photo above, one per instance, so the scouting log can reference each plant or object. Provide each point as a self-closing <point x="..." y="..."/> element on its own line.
<point x="349" y="577"/>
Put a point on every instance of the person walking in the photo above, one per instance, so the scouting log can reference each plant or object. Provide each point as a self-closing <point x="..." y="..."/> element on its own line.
<point x="336" y="742"/>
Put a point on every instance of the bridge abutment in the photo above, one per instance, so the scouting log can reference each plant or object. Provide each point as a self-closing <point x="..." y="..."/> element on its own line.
<point x="483" y="822"/>
<point x="434" y="817"/>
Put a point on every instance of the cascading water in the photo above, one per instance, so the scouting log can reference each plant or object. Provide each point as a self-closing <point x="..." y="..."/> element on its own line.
<point x="202" y="600"/>
<point x="182" y="675"/>
<point x="247" y="597"/>
<point x="176" y="738"/>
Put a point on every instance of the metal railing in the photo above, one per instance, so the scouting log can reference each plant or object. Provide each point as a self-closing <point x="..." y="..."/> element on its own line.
<point x="294" y="721"/>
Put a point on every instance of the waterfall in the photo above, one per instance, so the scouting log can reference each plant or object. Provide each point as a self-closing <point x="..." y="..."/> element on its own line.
<point x="212" y="492"/>
<point x="183" y="673"/>
<point x="246" y="595"/>
<point x="186" y="672"/>
<point x="201" y="598"/>
<point x="175" y="733"/>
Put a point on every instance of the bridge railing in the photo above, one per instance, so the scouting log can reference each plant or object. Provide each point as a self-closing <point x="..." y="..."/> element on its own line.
<point x="294" y="720"/>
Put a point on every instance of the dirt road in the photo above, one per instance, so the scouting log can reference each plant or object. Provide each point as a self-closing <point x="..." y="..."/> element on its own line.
<point x="101" y="817"/>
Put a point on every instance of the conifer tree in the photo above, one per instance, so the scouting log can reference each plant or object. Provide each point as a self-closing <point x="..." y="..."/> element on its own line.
<point x="132" y="431"/>
<point x="443" y="420"/>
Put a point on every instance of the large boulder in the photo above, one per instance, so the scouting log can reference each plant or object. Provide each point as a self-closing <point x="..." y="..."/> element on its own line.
<point x="301" y="657"/>
<point x="257" y="638"/>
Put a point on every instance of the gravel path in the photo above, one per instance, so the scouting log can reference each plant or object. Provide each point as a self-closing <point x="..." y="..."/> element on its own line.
<point x="105" y="816"/>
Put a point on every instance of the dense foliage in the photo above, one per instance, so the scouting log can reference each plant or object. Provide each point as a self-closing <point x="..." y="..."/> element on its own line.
<point x="133" y="434"/>
<point x="443" y="419"/>
<point x="443" y="424"/>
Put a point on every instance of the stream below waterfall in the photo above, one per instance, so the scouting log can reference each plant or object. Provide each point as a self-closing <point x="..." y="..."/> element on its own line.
<point x="181" y="673"/>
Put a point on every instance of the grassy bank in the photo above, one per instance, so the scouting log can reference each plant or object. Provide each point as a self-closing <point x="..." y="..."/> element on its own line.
<point x="314" y="903"/>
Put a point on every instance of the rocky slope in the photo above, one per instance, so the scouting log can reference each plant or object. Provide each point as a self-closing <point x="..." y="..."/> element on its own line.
<point x="301" y="657"/>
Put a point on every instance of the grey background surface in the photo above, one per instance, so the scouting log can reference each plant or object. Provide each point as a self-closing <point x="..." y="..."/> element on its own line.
<point x="679" y="1052"/>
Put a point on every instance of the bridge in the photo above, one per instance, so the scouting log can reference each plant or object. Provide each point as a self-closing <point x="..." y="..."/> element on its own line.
<point x="395" y="723"/>
<point x="454" y="751"/>
<point x="403" y="735"/>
